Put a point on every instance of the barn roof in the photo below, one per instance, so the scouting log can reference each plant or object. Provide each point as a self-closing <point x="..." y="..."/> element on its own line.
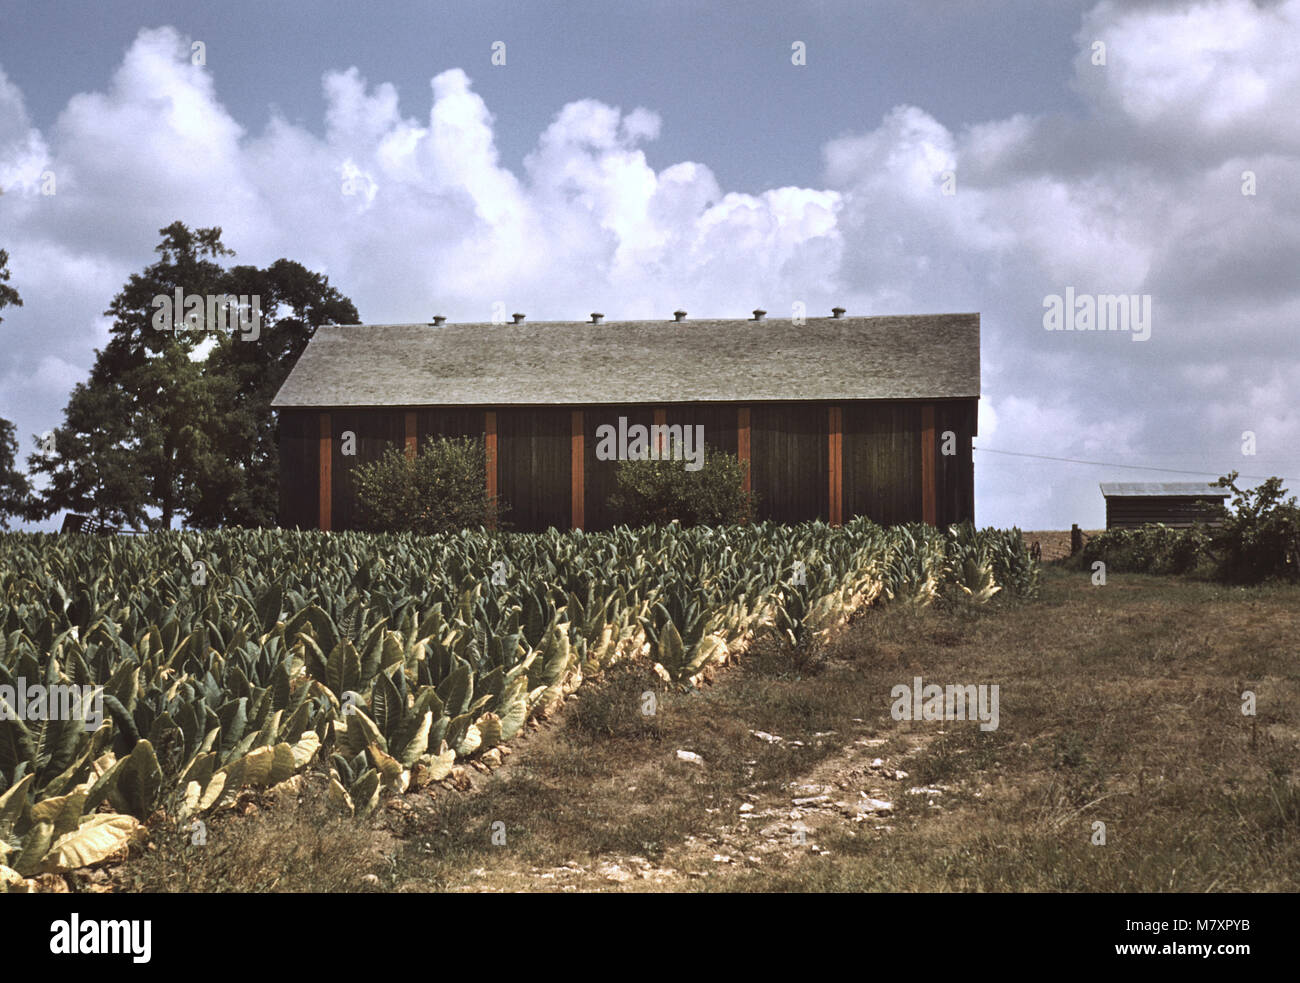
<point x="637" y="362"/>
<point x="1166" y="489"/>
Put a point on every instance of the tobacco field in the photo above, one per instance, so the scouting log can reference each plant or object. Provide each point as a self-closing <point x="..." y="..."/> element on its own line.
<point x="238" y="658"/>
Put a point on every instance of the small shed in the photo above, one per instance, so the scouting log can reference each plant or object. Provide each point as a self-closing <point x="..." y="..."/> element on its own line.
<point x="1130" y="504"/>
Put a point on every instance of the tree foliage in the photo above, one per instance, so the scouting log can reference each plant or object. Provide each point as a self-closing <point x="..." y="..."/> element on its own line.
<point x="14" y="487"/>
<point x="1260" y="535"/>
<point x="176" y="421"/>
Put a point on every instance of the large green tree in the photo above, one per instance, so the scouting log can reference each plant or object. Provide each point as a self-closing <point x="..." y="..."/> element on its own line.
<point x="14" y="489"/>
<point x="134" y="429"/>
<point x="177" y="420"/>
<point x="236" y="482"/>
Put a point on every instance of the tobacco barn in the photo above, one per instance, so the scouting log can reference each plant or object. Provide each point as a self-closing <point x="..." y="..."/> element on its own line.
<point x="1178" y="504"/>
<point x="837" y="416"/>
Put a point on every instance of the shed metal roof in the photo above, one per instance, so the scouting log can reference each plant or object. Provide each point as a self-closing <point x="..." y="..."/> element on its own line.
<point x="932" y="356"/>
<point x="1165" y="489"/>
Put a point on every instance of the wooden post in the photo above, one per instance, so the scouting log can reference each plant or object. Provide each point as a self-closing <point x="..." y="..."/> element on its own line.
<point x="577" y="459"/>
<point x="490" y="429"/>
<point x="661" y="420"/>
<point x="326" y="453"/>
<point x="928" y="489"/>
<point x="835" y="448"/>
<point x="411" y="435"/>
<point x="742" y="441"/>
<point x="1076" y="538"/>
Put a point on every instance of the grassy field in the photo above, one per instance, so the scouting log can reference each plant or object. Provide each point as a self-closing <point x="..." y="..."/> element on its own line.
<point x="1119" y="704"/>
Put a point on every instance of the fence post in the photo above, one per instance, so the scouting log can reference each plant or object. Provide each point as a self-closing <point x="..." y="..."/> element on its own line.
<point x="1076" y="539"/>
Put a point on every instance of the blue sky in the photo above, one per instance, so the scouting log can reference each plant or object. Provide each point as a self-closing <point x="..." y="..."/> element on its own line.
<point x="709" y="69"/>
<point x="633" y="157"/>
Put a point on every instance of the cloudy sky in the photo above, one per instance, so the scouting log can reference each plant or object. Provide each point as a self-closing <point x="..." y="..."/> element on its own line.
<point x="637" y="157"/>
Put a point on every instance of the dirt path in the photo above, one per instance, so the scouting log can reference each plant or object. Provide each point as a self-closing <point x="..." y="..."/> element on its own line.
<point x="853" y="791"/>
<point x="845" y="782"/>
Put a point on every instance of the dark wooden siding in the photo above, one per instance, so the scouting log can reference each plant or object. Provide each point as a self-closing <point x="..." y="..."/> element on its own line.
<point x="1131" y="511"/>
<point x="601" y="476"/>
<point x="299" y="469"/>
<point x="533" y="467"/>
<point x="376" y="431"/>
<point x="719" y="423"/>
<point x="789" y="450"/>
<point x="430" y="423"/>
<point x="955" y="497"/>
<point x="790" y="461"/>
<point x="882" y="461"/>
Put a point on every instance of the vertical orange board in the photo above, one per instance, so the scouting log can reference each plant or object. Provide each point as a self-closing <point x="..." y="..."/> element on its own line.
<point x="490" y="433"/>
<point x="577" y="447"/>
<point x="928" y="470"/>
<point x="326" y="454"/>
<point x="835" y="449"/>
<point x="742" y="441"/>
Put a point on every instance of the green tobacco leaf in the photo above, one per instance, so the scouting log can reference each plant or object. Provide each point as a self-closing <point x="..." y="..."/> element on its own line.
<point x="16" y="747"/>
<point x="490" y="730"/>
<point x="13" y="805"/>
<point x="314" y="619"/>
<point x="137" y="788"/>
<point x="62" y="812"/>
<point x="456" y="689"/>
<point x="36" y="844"/>
<point x="387" y="707"/>
<point x="365" y="793"/>
<point x="548" y="670"/>
<point x="391" y="652"/>
<point x="361" y="732"/>
<point x="513" y="716"/>
<point x="268" y="607"/>
<point x="312" y="656"/>
<point x="234" y="722"/>
<point x="418" y="743"/>
<point x="105" y="784"/>
<point x="343" y="668"/>
<point x="672" y="654"/>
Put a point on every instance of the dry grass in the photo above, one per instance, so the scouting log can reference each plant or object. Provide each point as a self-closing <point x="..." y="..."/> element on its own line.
<point x="1119" y="704"/>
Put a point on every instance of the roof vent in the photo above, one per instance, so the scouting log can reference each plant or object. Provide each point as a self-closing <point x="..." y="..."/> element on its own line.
<point x="596" y="316"/>
<point x="438" y="319"/>
<point x="679" y="315"/>
<point x="837" y="312"/>
<point x="518" y="318"/>
<point x="758" y="314"/>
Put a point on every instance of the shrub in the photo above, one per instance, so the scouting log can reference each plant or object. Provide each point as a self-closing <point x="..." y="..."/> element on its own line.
<point x="442" y="489"/>
<point x="657" y="492"/>
<point x="1260" y="536"/>
<point x="1259" y="539"/>
<point x="1153" y="548"/>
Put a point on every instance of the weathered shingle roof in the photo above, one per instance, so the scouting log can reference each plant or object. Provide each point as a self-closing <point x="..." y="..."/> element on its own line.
<point x="1167" y="489"/>
<point x="567" y="362"/>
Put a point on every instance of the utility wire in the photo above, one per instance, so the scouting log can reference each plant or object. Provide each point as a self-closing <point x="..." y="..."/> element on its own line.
<point x="1112" y="464"/>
